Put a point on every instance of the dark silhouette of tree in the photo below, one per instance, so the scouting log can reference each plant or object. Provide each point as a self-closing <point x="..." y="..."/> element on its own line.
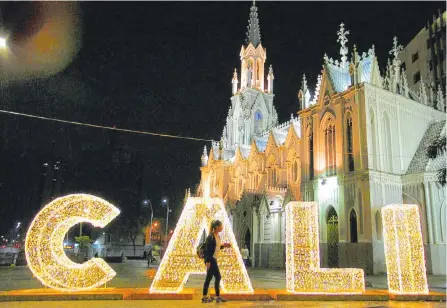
<point x="437" y="149"/>
<point x="131" y="223"/>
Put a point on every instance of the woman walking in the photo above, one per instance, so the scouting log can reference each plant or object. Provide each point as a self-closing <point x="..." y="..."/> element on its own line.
<point x="213" y="245"/>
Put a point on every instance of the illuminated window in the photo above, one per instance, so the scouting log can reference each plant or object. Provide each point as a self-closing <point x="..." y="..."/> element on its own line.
<point x="258" y="122"/>
<point x="295" y="171"/>
<point x="350" y="144"/>
<point x="329" y="134"/>
<point x="271" y="171"/>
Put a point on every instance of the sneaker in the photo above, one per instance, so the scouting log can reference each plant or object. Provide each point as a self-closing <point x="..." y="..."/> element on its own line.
<point x="220" y="300"/>
<point x="206" y="299"/>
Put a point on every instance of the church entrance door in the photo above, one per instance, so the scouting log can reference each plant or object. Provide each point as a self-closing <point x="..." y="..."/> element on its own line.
<point x="332" y="237"/>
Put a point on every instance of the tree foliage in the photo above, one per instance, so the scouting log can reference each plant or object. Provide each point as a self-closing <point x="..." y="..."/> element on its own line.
<point x="437" y="149"/>
<point x="83" y="241"/>
<point x="132" y="223"/>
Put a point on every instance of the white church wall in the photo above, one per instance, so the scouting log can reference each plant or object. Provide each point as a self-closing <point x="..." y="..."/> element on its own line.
<point x="384" y="189"/>
<point x="407" y="124"/>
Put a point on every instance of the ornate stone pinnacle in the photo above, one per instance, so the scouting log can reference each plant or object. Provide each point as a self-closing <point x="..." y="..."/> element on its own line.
<point x="254" y="32"/>
<point x="371" y="51"/>
<point x="395" y="51"/>
<point x="343" y="40"/>
<point x="396" y="48"/>
<point x="304" y="83"/>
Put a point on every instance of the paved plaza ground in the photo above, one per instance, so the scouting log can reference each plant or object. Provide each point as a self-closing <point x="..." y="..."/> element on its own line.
<point x="196" y="303"/>
<point x="133" y="275"/>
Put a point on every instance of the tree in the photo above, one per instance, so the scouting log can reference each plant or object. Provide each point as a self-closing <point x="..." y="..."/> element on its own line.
<point x="83" y="243"/>
<point x="132" y="223"/>
<point x="438" y="149"/>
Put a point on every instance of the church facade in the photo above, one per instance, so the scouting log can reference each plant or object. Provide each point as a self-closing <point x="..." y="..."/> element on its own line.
<point x="357" y="144"/>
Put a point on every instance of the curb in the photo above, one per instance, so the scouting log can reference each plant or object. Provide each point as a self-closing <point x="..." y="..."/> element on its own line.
<point x="189" y="294"/>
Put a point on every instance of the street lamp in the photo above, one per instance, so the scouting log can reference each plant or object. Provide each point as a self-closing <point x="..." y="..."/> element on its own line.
<point x="148" y="202"/>
<point x="165" y="201"/>
<point x="3" y="44"/>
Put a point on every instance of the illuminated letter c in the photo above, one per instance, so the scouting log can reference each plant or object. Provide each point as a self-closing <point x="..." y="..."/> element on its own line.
<point x="44" y="243"/>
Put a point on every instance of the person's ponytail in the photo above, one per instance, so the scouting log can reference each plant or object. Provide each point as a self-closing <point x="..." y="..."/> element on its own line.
<point x="214" y="225"/>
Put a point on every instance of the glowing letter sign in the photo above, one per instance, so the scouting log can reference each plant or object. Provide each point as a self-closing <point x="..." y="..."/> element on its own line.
<point x="303" y="272"/>
<point x="180" y="259"/>
<point x="404" y="250"/>
<point x="44" y="243"/>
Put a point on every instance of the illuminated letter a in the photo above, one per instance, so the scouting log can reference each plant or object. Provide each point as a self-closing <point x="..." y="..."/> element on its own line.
<point x="181" y="260"/>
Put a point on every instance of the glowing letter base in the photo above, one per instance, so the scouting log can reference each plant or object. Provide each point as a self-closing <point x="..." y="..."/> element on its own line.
<point x="404" y="250"/>
<point x="303" y="272"/>
<point x="181" y="260"/>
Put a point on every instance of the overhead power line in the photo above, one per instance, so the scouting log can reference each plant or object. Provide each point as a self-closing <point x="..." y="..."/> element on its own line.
<point x="101" y="126"/>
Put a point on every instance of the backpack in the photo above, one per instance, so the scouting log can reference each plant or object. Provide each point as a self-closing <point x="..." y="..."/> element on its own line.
<point x="201" y="251"/>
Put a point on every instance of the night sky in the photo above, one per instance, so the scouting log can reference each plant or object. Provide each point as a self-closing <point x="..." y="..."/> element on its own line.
<point x="167" y="67"/>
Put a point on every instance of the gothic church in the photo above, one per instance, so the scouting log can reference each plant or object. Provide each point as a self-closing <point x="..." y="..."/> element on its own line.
<point x="358" y="143"/>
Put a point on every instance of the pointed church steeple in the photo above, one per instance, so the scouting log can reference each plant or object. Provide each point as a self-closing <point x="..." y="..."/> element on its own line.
<point x="252" y="111"/>
<point x="254" y="32"/>
<point x="253" y="55"/>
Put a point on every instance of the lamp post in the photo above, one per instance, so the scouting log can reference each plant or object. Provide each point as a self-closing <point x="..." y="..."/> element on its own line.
<point x="166" y="202"/>
<point x="146" y="202"/>
<point x="3" y="43"/>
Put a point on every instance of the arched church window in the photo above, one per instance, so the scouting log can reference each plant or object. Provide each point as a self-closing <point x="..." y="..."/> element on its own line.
<point x="258" y="122"/>
<point x="272" y="176"/>
<point x="295" y="171"/>
<point x="350" y="146"/>
<point x="353" y="226"/>
<point x="373" y="140"/>
<point x="378" y="225"/>
<point x="329" y="134"/>
<point x="271" y="171"/>
<point x="258" y="71"/>
<point x="388" y="163"/>
<point x="311" y="155"/>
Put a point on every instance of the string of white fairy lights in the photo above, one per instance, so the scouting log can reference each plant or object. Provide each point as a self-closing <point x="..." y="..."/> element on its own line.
<point x="102" y="126"/>
<point x="154" y="133"/>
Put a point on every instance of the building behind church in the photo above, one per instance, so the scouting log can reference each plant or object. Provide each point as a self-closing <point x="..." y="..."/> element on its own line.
<point x="357" y="144"/>
<point x="423" y="59"/>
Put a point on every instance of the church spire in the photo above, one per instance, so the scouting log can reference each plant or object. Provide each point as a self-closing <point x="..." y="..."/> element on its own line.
<point x="253" y="33"/>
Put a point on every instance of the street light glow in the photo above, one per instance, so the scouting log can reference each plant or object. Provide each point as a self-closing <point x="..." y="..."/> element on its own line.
<point x="2" y="43"/>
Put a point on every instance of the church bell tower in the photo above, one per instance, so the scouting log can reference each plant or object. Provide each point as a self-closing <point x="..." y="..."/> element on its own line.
<point x="252" y="112"/>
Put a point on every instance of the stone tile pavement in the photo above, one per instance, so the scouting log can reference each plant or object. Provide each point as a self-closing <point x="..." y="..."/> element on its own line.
<point x="133" y="275"/>
<point x="197" y="303"/>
